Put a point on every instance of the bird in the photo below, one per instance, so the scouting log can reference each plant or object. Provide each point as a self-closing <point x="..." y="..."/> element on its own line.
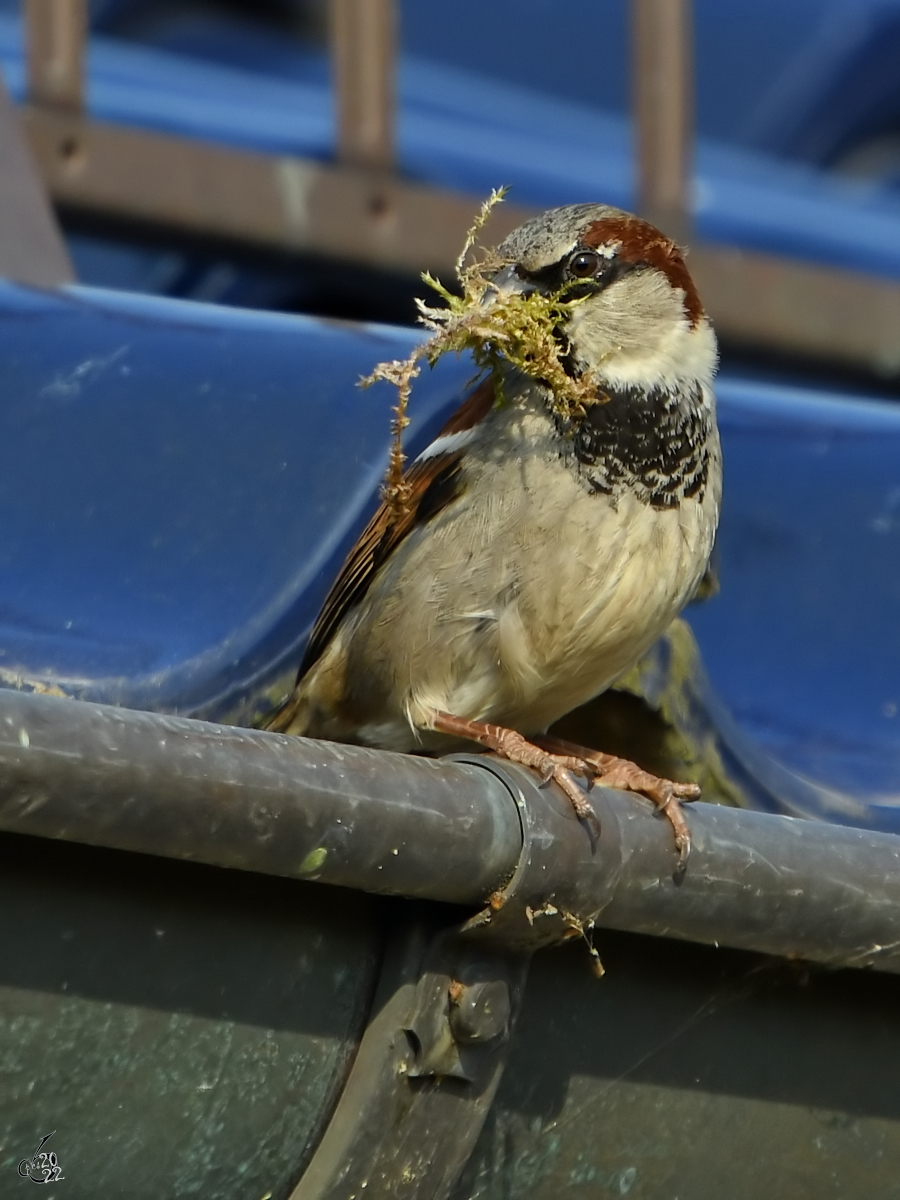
<point x="542" y="550"/>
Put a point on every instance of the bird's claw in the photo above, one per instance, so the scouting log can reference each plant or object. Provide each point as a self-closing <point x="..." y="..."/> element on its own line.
<point x="666" y="794"/>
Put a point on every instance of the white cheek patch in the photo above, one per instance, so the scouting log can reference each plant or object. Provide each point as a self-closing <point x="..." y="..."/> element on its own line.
<point x="684" y="355"/>
<point x="637" y="350"/>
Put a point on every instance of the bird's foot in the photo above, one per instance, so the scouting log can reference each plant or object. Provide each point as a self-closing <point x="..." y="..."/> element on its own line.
<point x="560" y="767"/>
<point x="616" y="772"/>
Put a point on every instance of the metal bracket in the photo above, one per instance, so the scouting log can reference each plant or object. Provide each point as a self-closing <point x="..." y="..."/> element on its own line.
<point x="543" y="902"/>
<point x="426" y="1071"/>
<point x="431" y="1059"/>
<point x="463" y="1008"/>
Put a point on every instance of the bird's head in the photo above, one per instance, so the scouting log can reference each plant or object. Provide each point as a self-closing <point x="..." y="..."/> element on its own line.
<point x="639" y="321"/>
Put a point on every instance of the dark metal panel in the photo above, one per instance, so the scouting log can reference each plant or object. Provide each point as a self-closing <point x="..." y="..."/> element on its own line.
<point x="31" y="247"/>
<point x="363" y="56"/>
<point x="694" y="1072"/>
<point x="185" y="1031"/>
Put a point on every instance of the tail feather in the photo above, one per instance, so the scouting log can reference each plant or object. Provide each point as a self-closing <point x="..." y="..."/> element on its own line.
<point x="290" y="717"/>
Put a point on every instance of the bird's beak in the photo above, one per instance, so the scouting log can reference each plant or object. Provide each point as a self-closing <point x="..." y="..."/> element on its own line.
<point x="507" y="282"/>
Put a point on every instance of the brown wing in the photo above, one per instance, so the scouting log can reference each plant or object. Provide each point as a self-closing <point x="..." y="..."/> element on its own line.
<point x="434" y="482"/>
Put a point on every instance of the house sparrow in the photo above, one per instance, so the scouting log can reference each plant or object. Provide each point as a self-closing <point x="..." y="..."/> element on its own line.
<point x="541" y="554"/>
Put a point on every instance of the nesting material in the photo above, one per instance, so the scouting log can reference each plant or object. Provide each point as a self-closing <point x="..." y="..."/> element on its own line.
<point x="499" y="329"/>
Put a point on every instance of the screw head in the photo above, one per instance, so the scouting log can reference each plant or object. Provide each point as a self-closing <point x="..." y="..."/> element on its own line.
<point x="479" y="1012"/>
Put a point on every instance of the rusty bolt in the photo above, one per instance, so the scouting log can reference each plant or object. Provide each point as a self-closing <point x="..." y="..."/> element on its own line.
<point x="479" y="1012"/>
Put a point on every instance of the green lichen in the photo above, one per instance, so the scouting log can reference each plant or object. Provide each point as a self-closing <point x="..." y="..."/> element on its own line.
<point x="313" y="862"/>
<point x="23" y="683"/>
<point x="671" y="681"/>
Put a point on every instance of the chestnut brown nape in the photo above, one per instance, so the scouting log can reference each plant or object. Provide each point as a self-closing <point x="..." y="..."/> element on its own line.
<point x="641" y="242"/>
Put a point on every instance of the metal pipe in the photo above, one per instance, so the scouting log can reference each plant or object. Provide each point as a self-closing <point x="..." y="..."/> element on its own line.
<point x="754" y="881"/>
<point x="663" y="90"/>
<point x="257" y="801"/>
<point x="773" y="884"/>
<point x="456" y="831"/>
<point x="363" y="55"/>
<point x="56" y="33"/>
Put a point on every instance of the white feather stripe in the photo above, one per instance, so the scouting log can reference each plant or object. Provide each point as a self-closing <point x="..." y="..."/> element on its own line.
<point x="450" y="443"/>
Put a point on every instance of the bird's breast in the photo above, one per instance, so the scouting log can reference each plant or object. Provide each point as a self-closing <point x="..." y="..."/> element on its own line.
<point x="586" y="583"/>
<point x="524" y="597"/>
<point x="537" y="592"/>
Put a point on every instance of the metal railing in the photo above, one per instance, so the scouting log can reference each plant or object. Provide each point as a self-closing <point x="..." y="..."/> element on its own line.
<point x="359" y="209"/>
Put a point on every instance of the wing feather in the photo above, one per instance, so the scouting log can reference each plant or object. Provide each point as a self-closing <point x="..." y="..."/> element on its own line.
<point x="435" y="481"/>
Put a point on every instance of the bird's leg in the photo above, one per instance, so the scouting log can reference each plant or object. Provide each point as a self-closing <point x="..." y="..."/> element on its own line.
<point x="515" y="748"/>
<point x="615" y="772"/>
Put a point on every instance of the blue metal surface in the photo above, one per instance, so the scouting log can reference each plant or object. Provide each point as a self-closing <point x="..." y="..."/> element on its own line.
<point x="802" y="78"/>
<point x="803" y="642"/>
<point x="179" y="483"/>
<point x="793" y="76"/>
<point x="839" y="89"/>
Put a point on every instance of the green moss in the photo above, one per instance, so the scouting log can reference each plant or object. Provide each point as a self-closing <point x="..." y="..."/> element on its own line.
<point x="500" y="330"/>
<point x="657" y="715"/>
<point x="671" y="680"/>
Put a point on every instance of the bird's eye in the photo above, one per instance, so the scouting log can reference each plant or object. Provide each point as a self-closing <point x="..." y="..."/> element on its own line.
<point x="583" y="264"/>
